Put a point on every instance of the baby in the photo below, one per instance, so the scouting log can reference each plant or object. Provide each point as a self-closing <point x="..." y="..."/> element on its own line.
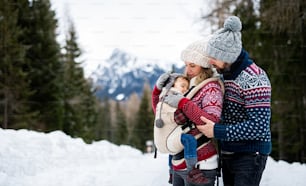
<point x="174" y="136"/>
<point x="176" y="84"/>
<point x="181" y="84"/>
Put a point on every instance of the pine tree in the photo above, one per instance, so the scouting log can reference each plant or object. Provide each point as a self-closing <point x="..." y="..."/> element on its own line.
<point x="143" y="129"/>
<point x="132" y="107"/>
<point x="42" y="62"/>
<point x="90" y="112"/>
<point x="14" y="85"/>
<point x="121" y="132"/>
<point x="103" y="128"/>
<point x="283" y="52"/>
<point x="79" y="101"/>
<point x="71" y="80"/>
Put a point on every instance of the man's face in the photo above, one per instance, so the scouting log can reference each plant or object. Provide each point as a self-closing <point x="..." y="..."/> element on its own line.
<point x="220" y="66"/>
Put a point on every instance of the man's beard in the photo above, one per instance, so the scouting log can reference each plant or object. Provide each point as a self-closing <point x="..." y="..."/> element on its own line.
<point x="224" y="71"/>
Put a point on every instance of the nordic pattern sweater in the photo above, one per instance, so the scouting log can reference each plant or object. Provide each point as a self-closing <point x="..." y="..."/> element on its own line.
<point x="246" y="113"/>
<point x="206" y="102"/>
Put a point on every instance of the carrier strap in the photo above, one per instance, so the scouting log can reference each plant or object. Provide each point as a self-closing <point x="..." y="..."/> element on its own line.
<point x="188" y="126"/>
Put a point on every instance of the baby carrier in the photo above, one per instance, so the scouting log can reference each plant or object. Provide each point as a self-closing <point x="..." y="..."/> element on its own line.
<point x="167" y="133"/>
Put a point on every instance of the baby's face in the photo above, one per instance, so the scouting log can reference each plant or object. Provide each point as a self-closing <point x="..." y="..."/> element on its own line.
<point x="182" y="85"/>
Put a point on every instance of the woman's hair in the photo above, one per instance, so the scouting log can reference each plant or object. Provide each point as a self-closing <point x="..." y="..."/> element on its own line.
<point x="205" y="74"/>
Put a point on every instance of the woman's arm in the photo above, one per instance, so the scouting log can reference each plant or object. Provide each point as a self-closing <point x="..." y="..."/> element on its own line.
<point x="155" y="98"/>
<point x="207" y="102"/>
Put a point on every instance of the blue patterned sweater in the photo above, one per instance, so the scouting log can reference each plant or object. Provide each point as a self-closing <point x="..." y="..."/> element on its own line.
<point x="246" y="114"/>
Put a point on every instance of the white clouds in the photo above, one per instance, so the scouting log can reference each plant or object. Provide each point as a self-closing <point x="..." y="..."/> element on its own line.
<point x="146" y="28"/>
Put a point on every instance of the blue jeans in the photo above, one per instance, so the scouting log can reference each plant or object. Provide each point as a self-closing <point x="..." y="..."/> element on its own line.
<point x="243" y="169"/>
<point x="179" y="177"/>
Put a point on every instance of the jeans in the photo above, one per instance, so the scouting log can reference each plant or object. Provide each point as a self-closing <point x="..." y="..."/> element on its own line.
<point x="179" y="177"/>
<point x="243" y="169"/>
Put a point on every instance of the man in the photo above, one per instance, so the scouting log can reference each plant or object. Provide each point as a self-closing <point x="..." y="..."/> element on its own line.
<point x="244" y="132"/>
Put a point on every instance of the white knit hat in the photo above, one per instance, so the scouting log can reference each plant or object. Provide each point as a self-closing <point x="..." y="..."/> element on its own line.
<point x="195" y="53"/>
<point x="225" y="44"/>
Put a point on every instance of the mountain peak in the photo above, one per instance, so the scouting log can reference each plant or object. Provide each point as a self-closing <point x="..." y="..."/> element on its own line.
<point x="126" y="74"/>
<point x="120" y="55"/>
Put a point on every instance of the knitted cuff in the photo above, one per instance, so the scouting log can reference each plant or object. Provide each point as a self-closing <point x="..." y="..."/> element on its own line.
<point x="182" y="102"/>
<point x="219" y="131"/>
<point x="156" y="91"/>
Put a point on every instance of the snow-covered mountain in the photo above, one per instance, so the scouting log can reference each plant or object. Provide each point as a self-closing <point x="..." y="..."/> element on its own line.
<point x="122" y="74"/>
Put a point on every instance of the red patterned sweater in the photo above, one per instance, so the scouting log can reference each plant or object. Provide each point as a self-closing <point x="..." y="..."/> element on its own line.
<point x="206" y="102"/>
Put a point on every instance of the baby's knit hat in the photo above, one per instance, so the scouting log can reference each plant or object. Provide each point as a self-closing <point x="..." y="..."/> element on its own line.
<point x="195" y="53"/>
<point x="225" y="44"/>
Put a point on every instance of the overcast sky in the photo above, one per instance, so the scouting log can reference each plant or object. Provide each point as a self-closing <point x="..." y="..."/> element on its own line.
<point x="146" y="28"/>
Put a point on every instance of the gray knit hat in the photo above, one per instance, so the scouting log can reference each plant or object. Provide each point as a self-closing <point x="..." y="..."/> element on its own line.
<point x="195" y="53"/>
<point x="225" y="44"/>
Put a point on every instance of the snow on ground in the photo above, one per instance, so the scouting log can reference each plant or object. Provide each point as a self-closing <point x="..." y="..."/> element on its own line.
<point x="29" y="158"/>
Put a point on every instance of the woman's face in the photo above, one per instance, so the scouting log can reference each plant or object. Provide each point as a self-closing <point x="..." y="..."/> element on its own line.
<point x="192" y="69"/>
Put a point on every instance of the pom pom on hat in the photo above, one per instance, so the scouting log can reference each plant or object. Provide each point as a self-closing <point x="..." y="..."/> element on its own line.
<point x="226" y="44"/>
<point x="195" y="53"/>
<point x="233" y="23"/>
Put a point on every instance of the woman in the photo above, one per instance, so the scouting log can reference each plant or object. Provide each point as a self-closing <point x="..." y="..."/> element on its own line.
<point x="207" y="90"/>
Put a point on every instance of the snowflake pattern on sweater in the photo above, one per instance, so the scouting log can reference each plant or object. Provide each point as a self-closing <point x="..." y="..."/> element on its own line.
<point x="246" y="110"/>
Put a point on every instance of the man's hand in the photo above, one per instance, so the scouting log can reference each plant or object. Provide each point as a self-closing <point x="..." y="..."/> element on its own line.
<point x="208" y="128"/>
